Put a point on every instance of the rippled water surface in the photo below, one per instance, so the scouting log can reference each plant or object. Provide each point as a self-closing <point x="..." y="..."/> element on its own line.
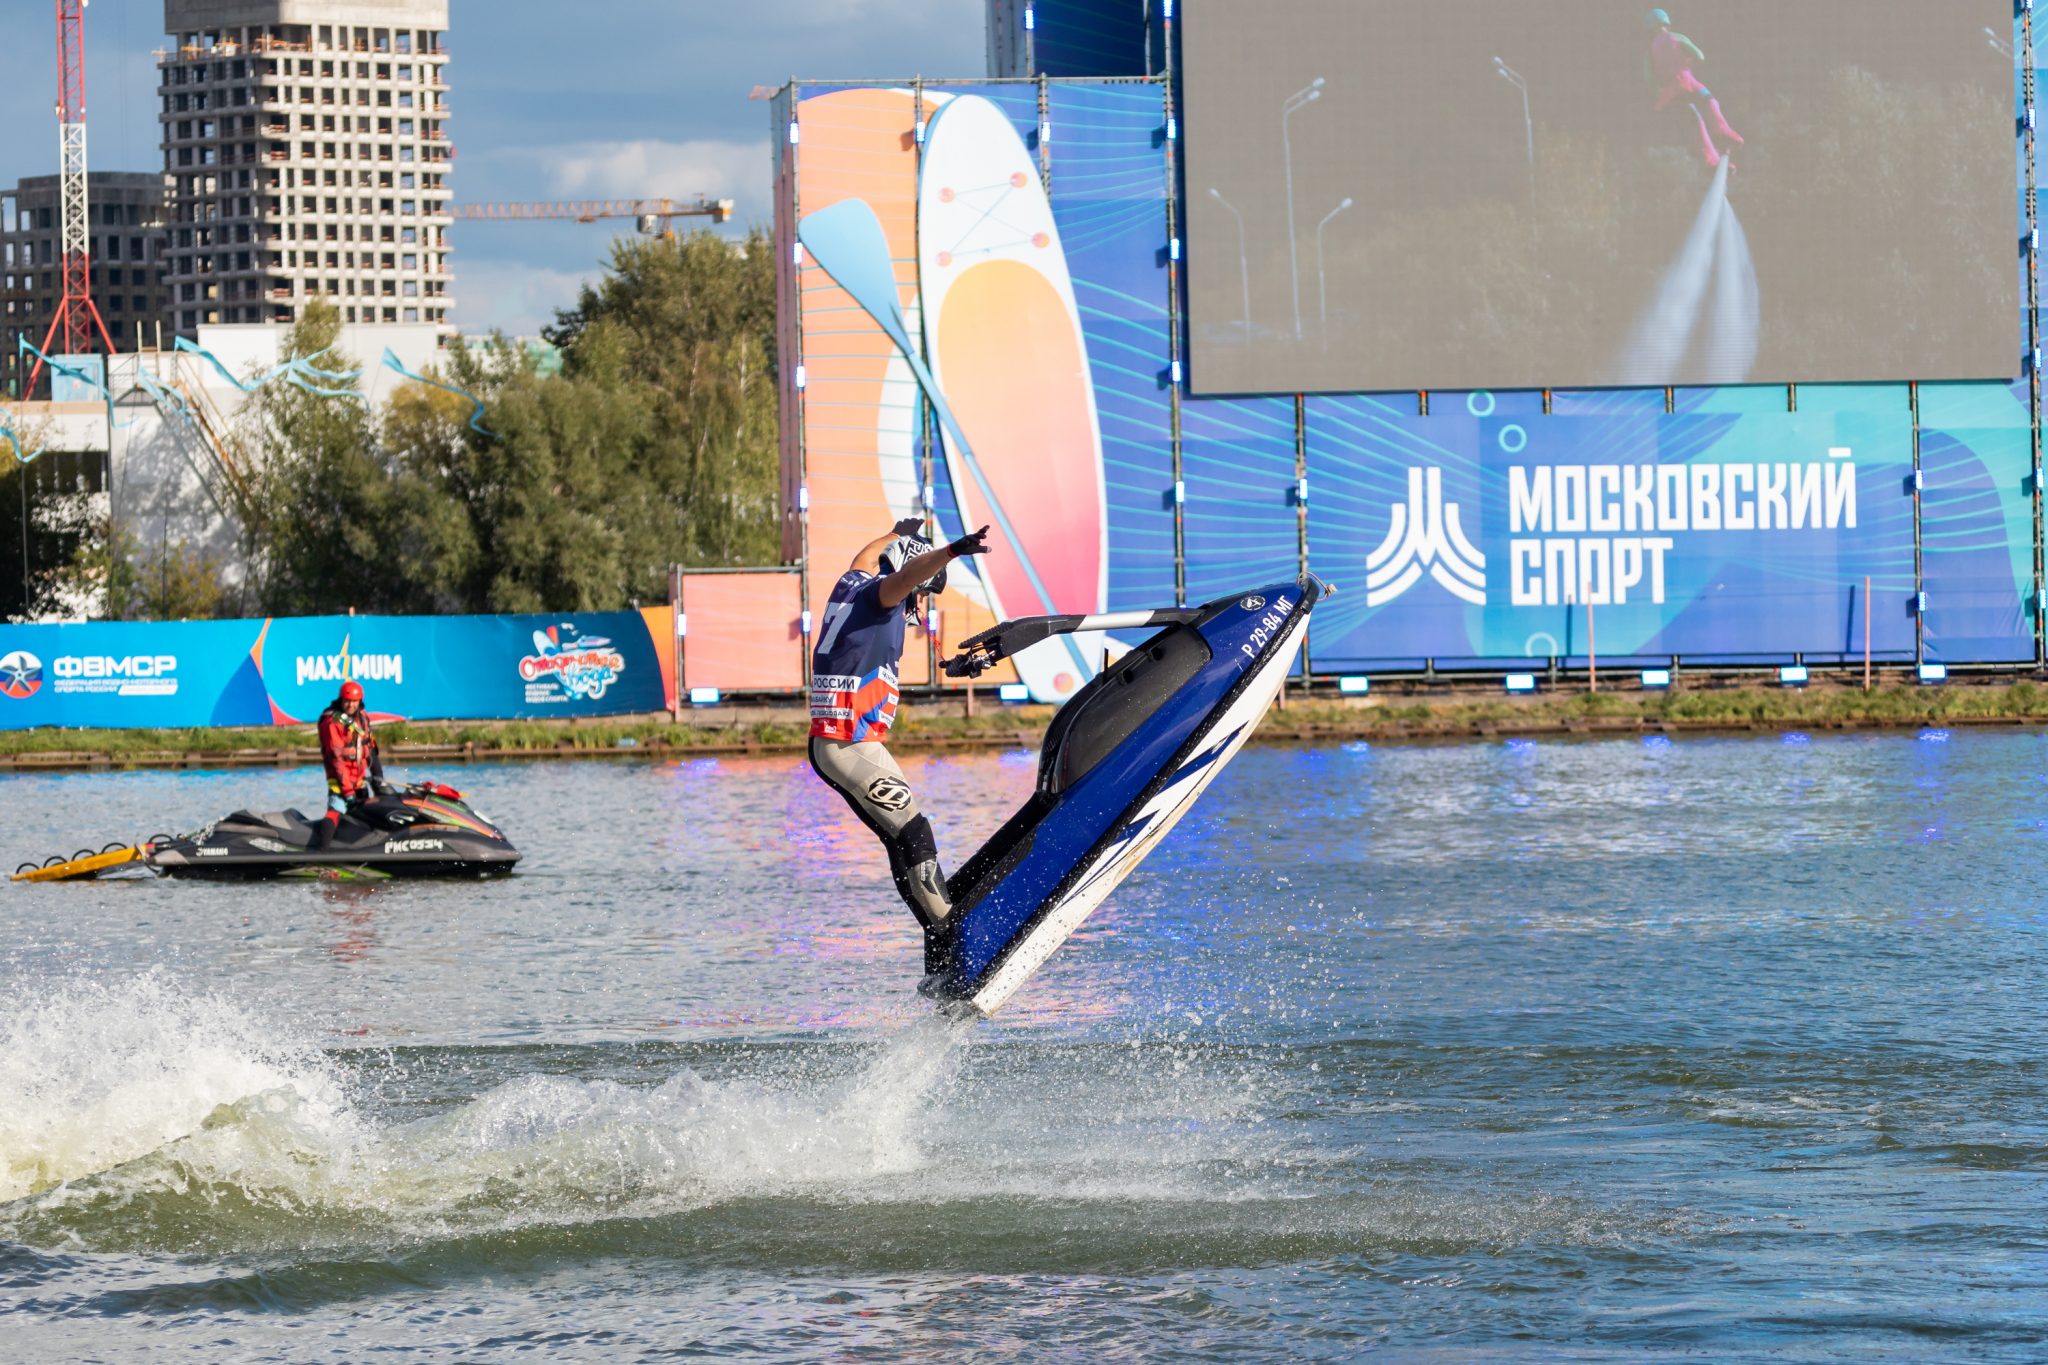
<point x="1579" y="1050"/>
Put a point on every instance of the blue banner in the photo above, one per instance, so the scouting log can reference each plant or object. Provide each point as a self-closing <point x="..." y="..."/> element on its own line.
<point x="1109" y="197"/>
<point x="1724" y="536"/>
<point x="1237" y="455"/>
<point x="1977" y="522"/>
<point x="284" y="671"/>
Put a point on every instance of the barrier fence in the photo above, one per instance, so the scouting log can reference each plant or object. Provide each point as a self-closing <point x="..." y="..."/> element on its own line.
<point x="284" y="670"/>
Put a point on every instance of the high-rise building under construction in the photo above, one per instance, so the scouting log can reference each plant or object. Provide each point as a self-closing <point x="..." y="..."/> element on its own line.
<point x="306" y="155"/>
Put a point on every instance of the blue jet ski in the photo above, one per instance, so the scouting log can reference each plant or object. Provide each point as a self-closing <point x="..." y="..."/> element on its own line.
<point x="1122" y="761"/>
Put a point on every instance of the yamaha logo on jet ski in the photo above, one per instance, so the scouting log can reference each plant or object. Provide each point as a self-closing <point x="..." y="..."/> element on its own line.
<point x="1253" y="603"/>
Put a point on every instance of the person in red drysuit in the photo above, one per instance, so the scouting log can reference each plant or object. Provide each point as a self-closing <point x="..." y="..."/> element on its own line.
<point x="355" y="770"/>
<point x="1669" y="68"/>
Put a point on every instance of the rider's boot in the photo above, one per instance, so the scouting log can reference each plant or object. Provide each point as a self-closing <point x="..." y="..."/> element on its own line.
<point x="1721" y="124"/>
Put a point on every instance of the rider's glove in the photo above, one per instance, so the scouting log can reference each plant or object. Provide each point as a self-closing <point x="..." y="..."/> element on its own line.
<point x="974" y="544"/>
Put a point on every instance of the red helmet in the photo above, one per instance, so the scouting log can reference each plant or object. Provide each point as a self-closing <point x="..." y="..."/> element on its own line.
<point x="351" y="690"/>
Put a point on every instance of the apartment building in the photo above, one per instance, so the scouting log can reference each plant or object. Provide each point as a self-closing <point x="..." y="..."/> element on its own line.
<point x="126" y="238"/>
<point x="306" y="155"/>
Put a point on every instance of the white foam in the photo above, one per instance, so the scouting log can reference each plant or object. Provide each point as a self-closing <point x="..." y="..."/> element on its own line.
<point x="137" y="1117"/>
<point x="117" y="1097"/>
<point x="94" y="1075"/>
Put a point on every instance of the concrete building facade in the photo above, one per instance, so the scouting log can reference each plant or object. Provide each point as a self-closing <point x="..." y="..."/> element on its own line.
<point x="125" y="219"/>
<point x="306" y="155"/>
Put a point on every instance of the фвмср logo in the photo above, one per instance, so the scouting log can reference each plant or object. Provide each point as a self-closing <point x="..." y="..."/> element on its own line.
<point x="21" y="675"/>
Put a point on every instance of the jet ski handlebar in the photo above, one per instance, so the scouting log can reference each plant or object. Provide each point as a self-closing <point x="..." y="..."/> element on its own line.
<point x="982" y="652"/>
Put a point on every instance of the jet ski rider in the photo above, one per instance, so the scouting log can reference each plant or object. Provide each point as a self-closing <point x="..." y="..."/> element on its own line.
<point x="853" y="700"/>
<point x="355" y="770"/>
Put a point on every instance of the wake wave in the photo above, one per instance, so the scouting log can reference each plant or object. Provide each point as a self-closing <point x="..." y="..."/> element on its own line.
<point x="1715" y="251"/>
<point x="136" y="1119"/>
<point x="132" y="1115"/>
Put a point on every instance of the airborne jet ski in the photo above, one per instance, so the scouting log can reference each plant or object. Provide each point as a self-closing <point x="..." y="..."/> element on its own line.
<point x="423" y="830"/>
<point x="1122" y="761"/>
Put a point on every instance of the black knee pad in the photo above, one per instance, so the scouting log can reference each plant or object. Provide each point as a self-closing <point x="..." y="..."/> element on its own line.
<point x="915" y="842"/>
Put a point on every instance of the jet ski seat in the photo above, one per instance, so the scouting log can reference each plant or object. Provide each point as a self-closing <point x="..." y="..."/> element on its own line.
<point x="285" y="821"/>
<point x="1103" y="716"/>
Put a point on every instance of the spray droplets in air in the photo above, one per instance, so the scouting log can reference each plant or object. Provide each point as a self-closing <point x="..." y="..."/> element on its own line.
<point x="1716" y="252"/>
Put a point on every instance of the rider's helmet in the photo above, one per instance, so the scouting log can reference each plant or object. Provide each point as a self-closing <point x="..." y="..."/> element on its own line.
<point x="351" y="691"/>
<point x="901" y="551"/>
<point x="1656" y="19"/>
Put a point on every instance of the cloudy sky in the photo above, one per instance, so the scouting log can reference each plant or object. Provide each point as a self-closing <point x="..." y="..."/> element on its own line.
<point x="552" y="100"/>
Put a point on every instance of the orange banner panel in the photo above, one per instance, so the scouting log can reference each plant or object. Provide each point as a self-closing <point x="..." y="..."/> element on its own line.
<point x="743" y="632"/>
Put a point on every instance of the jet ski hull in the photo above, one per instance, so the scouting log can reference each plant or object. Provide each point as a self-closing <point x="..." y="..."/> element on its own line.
<point x="416" y="833"/>
<point x="237" y="866"/>
<point x="1124" y="760"/>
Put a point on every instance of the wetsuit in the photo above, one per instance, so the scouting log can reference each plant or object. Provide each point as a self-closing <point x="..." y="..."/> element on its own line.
<point x="853" y="703"/>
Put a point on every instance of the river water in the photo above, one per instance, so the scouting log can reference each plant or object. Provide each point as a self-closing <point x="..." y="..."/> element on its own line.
<point x="1617" y="1049"/>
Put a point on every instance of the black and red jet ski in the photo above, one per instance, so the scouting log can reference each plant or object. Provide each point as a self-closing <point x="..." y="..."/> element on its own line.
<point x="1123" y="759"/>
<point x="422" y="830"/>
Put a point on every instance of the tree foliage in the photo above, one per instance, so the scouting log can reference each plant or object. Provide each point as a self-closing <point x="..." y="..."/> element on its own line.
<point x="134" y="580"/>
<point x="655" y="444"/>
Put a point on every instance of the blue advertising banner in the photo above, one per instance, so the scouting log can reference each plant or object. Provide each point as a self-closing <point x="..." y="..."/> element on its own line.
<point x="1109" y="198"/>
<point x="284" y="671"/>
<point x="1237" y="455"/>
<point x="1741" y="537"/>
<point x="1976" y="523"/>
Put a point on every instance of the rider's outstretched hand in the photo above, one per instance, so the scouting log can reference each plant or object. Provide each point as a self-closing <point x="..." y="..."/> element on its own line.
<point x="909" y="526"/>
<point x="974" y="544"/>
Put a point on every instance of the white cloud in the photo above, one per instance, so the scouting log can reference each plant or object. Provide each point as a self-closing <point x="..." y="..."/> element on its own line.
<point x="518" y="298"/>
<point x="648" y="168"/>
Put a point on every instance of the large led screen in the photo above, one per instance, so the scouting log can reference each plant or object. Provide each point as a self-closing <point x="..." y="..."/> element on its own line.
<point x="1500" y="194"/>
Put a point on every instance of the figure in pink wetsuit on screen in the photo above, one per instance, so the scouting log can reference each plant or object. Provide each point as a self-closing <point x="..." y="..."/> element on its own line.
<point x="1669" y="67"/>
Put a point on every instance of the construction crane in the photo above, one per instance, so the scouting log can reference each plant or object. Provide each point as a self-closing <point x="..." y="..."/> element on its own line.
<point x="77" y="318"/>
<point x="651" y="215"/>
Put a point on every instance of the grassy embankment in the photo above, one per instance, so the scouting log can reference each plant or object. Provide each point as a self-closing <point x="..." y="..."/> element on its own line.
<point x="765" y="730"/>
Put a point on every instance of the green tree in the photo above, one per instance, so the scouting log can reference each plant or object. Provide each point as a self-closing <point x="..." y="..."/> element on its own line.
<point x="325" y="495"/>
<point x="691" y="321"/>
<point x="656" y="444"/>
<point x="131" y="581"/>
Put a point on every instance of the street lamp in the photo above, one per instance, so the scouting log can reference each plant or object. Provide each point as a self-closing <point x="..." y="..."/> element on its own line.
<point x="1514" y="78"/>
<point x="1244" y="270"/>
<point x="1322" y="288"/>
<point x="1300" y="99"/>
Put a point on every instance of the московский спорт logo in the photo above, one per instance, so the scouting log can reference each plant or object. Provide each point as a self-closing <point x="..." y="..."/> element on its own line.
<point x="1427" y="535"/>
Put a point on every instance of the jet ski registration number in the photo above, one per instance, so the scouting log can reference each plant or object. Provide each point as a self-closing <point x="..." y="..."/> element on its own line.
<point x="1267" y="630"/>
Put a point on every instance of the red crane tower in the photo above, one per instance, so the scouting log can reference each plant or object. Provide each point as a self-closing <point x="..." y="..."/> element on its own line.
<point x="77" y="317"/>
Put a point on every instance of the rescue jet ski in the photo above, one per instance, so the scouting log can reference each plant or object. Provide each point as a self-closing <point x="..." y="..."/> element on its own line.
<point x="422" y="830"/>
<point x="1121" y="763"/>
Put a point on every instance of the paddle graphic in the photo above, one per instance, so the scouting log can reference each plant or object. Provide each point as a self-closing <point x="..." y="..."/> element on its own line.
<point x="847" y="242"/>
